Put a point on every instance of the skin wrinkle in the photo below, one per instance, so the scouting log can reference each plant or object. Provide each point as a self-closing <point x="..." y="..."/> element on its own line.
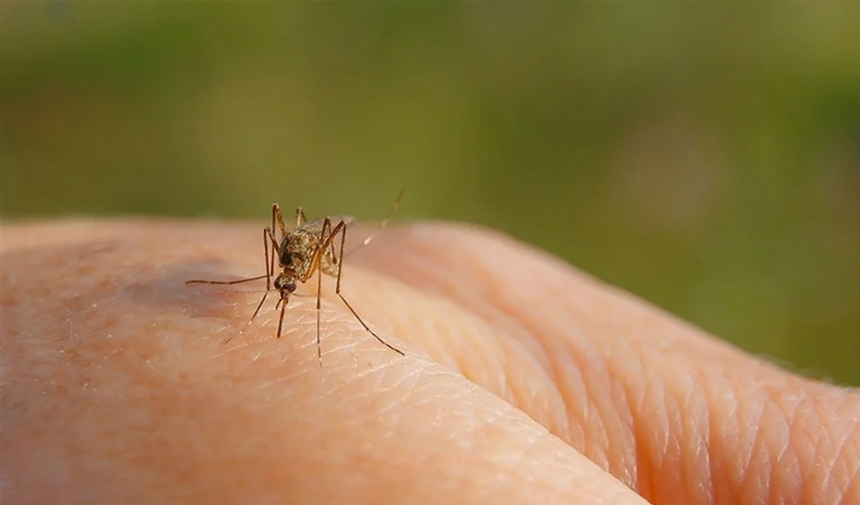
<point x="599" y="421"/>
<point x="589" y="407"/>
<point x="571" y="385"/>
<point x="724" y="431"/>
<point x="841" y="457"/>
<point x="852" y="478"/>
<point x="598" y="389"/>
<point x="479" y="363"/>
<point x="786" y="455"/>
<point x="825" y="445"/>
<point x="767" y="477"/>
<point x="786" y="482"/>
<point x="698" y="468"/>
<point x="852" y="486"/>
<point x="657" y="438"/>
<point x="629" y="362"/>
<point x="703" y="447"/>
<point x="752" y="418"/>
<point x="625" y="467"/>
<point x="635" y="367"/>
<point x="670" y="464"/>
<point x="808" y="417"/>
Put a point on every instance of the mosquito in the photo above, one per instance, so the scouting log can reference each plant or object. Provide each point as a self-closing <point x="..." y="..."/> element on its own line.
<point x="302" y="250"/>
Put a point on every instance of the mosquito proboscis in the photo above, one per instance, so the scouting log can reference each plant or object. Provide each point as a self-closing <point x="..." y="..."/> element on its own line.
<point x="304" y="249"/>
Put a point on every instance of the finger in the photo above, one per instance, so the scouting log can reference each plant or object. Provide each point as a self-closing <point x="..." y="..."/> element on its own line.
<point x="116" y="384"/>
<point x="674" y="413"/>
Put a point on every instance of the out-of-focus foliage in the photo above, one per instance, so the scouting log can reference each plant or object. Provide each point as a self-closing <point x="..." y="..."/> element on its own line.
<point x="703" y="156"/>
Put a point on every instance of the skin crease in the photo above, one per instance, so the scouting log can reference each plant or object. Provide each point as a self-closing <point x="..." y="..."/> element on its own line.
<point x="524" y="381"/>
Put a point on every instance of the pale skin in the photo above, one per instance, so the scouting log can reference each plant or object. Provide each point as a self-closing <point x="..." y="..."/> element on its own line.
<point x="524" y="381"/>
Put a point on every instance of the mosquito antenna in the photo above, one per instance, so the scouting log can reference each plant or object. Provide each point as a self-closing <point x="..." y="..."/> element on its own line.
<point x="382" y="224"/>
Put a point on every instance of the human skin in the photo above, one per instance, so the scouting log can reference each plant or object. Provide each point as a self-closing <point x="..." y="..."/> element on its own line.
<point x="524" y="381"/>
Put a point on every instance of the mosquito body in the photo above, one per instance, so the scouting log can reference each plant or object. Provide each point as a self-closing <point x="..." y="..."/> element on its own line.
<point x="302" y="250"/>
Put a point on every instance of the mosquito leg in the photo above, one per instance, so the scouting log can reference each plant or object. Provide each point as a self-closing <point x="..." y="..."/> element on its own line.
<point x="266" y="232"/>
<point x="226" y="283"/>
<point x="277" y="216"/>
<point x="319" y="343"/>
<point x="331" y="250"/>
<point x="328" y="235"/>
<point x="269" y="268"/>
<point x="325" y="237"/>
<point x="342" y="226"/>
<point x="300" y="217"/>
<point x="251" y="320"/>
<point x="270" y="242"/>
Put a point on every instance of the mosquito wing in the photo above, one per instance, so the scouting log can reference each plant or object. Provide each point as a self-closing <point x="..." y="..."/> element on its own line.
<point x="317" y="225"/>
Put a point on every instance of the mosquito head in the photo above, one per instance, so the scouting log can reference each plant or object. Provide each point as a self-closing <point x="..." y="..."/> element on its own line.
<point x="285" y="284"/>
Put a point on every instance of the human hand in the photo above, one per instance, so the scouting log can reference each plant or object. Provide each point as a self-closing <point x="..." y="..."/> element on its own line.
<point x="524" y="381"/>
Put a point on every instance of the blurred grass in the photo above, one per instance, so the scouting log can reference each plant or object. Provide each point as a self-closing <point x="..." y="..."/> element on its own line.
<point x="703" y="156"/>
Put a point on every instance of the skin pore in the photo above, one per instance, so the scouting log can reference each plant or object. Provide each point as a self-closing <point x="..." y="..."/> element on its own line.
<point x="524" y="381"/>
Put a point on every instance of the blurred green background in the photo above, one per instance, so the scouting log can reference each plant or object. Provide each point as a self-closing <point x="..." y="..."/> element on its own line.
<point x="703" y="156"/>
